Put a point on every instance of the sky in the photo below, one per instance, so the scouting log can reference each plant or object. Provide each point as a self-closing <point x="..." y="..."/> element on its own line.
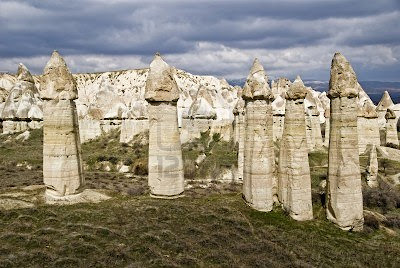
<point x="205" y="37"/>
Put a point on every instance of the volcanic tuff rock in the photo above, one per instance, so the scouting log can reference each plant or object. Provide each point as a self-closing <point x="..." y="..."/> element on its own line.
<point x="294" y="181"/>
<point x="239" y="134"/>
<point x="165" y="154"/>
<point x="367" y="127"/>
<point x="344" y="195"/>
<point x="372" y="168"/>
<point x="23" y="101"/>
<point x="62" y="166"/>
<point x="391" y="127"/>
<point x="259" y="158"/>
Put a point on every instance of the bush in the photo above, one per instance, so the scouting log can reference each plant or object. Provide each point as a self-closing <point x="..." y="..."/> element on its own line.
<point x="371" y="221"/>
<point x="392" y="221"/>
<point x="384" y="197"/>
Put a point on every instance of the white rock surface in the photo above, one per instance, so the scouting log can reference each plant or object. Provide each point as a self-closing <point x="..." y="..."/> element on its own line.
<point x="259" y="158"/>
<point x="294" y="181"/>
<point x="165" y="177"/>
<point x="344" y="195"/>
<point x="62" y="169"/>
<point x="372" y="168"/>
<point x="391" y="128"/>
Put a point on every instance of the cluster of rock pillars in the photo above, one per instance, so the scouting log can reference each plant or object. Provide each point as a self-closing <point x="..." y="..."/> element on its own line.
<point x="62" y="164"/>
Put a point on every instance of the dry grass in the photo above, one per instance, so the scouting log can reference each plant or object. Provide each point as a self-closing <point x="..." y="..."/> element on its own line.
<point x="209" y="227"/>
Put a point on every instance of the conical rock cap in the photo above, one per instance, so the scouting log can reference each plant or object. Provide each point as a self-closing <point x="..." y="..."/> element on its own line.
<point x="256" y="87"/>
<point x="23" y="74"/>
<point x="343" y="81"/>
<point x="57" y="81"/>
<point x="385" y="102"/>
<point x="297" y="90"/>
<point x="160" y="84"/>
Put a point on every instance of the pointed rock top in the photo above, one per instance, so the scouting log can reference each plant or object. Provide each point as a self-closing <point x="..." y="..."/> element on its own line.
<point x="385" y="102"/>
<point x="57" y="81"/>
<point x="256" y="87"/>
<point x="160" y="83"/>
<point x="343" y="80"/>
<point x="390" y="114"/>
<point x="368" y="110"/>
<point x="297" y="90"/>
<point x="23" y="74"/>
<point x="55" y="61"/>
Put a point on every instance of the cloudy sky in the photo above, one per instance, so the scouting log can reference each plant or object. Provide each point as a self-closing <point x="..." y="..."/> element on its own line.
<point x="215" y="37"/>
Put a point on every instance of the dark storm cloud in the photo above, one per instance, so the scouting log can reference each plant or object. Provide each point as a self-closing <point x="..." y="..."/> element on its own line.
<point x="114" y="28"/>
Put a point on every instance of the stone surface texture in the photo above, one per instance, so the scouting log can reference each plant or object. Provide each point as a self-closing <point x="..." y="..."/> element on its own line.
<point x="372" y="168"/>
<point x="259" y="159"/>
<point x="344" y="196"/>
<point x="62" y="167"/>
<point x="165" y="177"/>
<point x="239" y="130"/>
<point x="294" y="181"/>
<point x="367" y="127"/>
<point x="391" y="128"/>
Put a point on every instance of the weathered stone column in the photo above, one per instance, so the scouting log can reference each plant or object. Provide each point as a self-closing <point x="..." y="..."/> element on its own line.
<point x="294" y="185"/>
<point x="259" y="159"/>
<point x="316" y="128"/>
<point x="372" y="168"/>
<point x="166" y="178"/>
<point x="391" y="128"/>
<point x="327" y="127"/>
<point x="240" y="132"/>
<point x="62" y="167"/>
<point x="344" y="195"/>
<point x="367" y="127"/>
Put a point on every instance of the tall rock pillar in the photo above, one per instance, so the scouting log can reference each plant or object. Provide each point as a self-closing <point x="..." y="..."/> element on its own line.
<point x="294" y="185"/>
<point x="240" y="135"/>
<point x="166" y="178"/>
<point x="327" y="127"/>
<point x="344" y="195"/>
<point x="368" y="127"/>
<point x="62" y="167"/>
<point x="259" y="159"/>
<point x="391" y="128"/>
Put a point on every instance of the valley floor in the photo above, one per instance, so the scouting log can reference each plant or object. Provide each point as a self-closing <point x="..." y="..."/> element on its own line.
<point x="209" y="227"/>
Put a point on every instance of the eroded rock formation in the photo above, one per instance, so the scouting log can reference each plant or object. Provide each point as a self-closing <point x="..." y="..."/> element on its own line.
<point x="259" y="159"/>
<point x="294" y="185"/>
<point x="22" y="108"/>
<point x="62" y="167"/>
<point x="239" y="130"/>
<point x="165" y="154"/>
<point x="391" y="128"/>
<point x="367" y="127"/>
<point x="344" y="195"/>
<point x="372" y="168"/>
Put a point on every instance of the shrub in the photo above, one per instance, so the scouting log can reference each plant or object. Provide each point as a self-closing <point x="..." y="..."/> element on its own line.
<point x="392" y="221"/>
<point x="371" y="221"/>
<point x="384" y="197"/>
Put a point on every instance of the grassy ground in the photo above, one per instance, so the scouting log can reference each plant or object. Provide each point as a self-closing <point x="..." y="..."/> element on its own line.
<point x="216" y="230"/>
<point x="208" y="228"/>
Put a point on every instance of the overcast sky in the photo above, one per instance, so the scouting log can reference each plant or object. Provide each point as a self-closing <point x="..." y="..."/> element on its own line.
<point x="215" y="37"/>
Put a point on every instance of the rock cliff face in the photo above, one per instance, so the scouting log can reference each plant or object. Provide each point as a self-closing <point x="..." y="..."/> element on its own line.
<point x="22" y="108"/>
<point x="115" y="100"/>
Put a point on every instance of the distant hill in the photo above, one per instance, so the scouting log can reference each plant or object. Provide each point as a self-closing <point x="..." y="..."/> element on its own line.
<point x="374" y="89"/>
